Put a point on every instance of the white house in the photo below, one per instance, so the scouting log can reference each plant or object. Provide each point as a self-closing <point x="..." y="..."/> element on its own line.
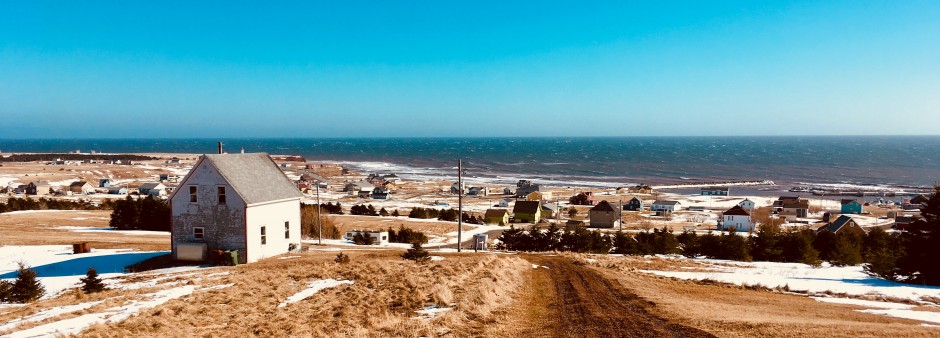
<point x="378" y="237"/>
<point x="235" y="202"/>
<point x="738" y="219"/>
<point x="661" y="205"/>
<point x="152" y="189"/>
<point x="747" y="204"/>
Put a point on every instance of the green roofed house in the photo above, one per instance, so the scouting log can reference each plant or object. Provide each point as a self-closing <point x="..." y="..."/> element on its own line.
<point x="527" y="211"/>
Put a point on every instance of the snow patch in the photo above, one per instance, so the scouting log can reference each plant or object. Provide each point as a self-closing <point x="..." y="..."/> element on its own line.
<point x="850" y="280"/>
<point x="115" y="314"/>
<point x="312" y="288"/>
<point x="48" y="313"/>
<point x="431" y="311"/>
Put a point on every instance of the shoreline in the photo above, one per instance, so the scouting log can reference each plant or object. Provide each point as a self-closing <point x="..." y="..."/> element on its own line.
<point x="760" y="187"/>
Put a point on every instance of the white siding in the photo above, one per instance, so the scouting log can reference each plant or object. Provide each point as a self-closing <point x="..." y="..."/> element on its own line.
<point x="739" y="223"/>
<point x="272" y="216"/>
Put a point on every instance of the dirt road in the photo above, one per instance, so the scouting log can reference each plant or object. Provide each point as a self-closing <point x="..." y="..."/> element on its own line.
<point x="570" y="300"/>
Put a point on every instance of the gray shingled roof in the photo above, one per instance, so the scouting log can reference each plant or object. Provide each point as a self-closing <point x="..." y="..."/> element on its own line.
<point x="254" y="176"/>
<point x="603" y="206"/>
<point x="150" y="185"/>
<point x="665" y="202"/>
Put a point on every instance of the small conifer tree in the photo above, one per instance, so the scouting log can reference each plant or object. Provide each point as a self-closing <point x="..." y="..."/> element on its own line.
<point x="6" y="289"/>
<point x="26" y="288"/>
<point x="341" y="258"/>
<point x="417" y="253"/>
<point x="92" y="283"/>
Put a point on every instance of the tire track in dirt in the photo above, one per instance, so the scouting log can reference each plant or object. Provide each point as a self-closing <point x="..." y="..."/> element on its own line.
<point x="582" y="303"/>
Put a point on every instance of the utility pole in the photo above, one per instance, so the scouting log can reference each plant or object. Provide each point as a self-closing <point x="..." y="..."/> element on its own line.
<point x="319" y="223"/>
<point x="459" y="203"/>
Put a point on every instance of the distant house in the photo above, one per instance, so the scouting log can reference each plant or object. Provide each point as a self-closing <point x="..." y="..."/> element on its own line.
<point x="526" y="190"/>
<point x="476" y="191"/>
<point x="640" y="189"/>
<point x="104" y="183"/>
<point x="81" y="187"/>
<point x="357" y="187"/>
<point x="237" y="202"/>
<point x="527" y="211"/>
<point x="152" y="189"/>
<point x="737" y="218"/>
<point x="795" y="209"/>
<point x="851" y="206"/>
<point x="41" y="188"/>
<point x="715" y="191"/>
<point x="635" y="204"/>
<point x="583" y="198"/>
<point x="539" y="196"/>
<point x="747" y="204"/>
<point x="572" y="225"/>
<point x="378" y="237"/>
<point x="311" y="177"/>
<point x="778" y="204"/>
<point x="843" y="224"/>
<point x="496" y="216"/>
<point x="169" y="178"/>
<point x="549" y="210"/>
<point x="380" y="193"/>
<point x="454" y="189"/>
<point x="919" y="199"/>
<point x="903" y="222"/>
<point x="503" y="203"/>
<point x="664" y="205"/>
<point x="117" y="190"/>
<point x="604" y="215"/>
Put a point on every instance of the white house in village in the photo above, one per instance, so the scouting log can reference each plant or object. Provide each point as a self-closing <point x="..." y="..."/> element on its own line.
<point x="235" y="202"/>
<point x="747" y="204"/>
<point x="664" y="205"/>
<point x="738" y="219"/>
<point x="152" y="189"/>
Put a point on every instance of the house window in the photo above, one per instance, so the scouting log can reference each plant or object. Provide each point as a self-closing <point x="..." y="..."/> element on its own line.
<point x="199" y="233"/>
<point x="286" y="230"/>
<point x="264" y="236"/>
<point x="192" y="194"/>
<point x="221" y="195"/>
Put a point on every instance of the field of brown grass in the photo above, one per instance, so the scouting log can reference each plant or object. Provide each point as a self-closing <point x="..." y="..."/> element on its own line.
<point x="40" y="228"/>
<point x="734" y="311"/>
<point x="381" y="302"/>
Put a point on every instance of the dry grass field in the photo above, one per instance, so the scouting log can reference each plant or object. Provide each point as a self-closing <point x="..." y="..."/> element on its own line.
<point x="381" y="301"/>
<point x="734" y="311"/>
<point x="43" y="228"/>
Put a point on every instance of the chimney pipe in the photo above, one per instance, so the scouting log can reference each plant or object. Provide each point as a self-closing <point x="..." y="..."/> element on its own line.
<point x="220" y="147"/>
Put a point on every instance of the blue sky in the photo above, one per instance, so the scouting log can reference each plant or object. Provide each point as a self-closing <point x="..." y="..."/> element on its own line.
<point x="442" y="68"/>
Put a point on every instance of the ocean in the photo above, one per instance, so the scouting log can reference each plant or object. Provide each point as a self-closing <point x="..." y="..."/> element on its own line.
<point x="901" y="161"/>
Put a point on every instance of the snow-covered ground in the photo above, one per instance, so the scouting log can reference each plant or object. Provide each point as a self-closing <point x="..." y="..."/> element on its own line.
<point x="890" y="309"/>
<point x="312" y="289"/>
<point x="113" y="314"/>
<point x="849" y="280"/>
<point x="58" y="269"/>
